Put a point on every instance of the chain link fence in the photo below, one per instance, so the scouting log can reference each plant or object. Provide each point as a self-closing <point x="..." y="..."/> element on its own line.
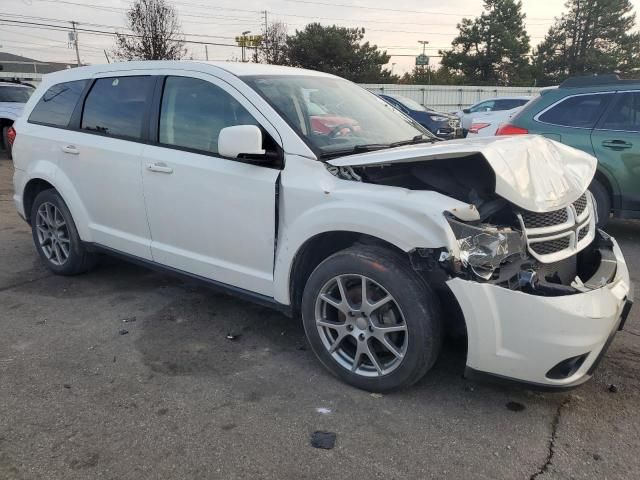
<point x="448" y="98"/>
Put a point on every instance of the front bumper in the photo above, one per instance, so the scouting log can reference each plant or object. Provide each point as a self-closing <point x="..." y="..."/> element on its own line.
<point x="519" y="336"/>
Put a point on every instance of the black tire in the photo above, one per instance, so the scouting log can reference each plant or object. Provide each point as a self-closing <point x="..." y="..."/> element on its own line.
<point x="416" y="301"/>
<point x="603" y="201"/>
<point x="5" y="142"/>
<point x="79" y="260"/>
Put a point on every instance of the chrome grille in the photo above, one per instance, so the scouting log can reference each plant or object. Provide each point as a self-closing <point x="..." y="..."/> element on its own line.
<point x="581" y="204"/>
<point x="550" y="246"/>
<point x="546" y="219"/>
<point x="554" y="236"/>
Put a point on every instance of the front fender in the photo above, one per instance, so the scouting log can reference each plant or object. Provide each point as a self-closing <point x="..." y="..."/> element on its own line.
<point x="321" y="203"/>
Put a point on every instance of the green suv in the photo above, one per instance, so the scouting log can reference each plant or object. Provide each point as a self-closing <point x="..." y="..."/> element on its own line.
<point x="600" y="115"/>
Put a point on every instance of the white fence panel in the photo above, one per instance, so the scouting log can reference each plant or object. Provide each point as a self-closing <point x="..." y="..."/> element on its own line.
<point x="448" y="98"/>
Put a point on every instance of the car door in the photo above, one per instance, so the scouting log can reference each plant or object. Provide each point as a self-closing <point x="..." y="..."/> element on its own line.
<point x="571" y="119"/>
<point x="102" y="159"/>
<point x="616" y="142"/>
<point x="210" y="216"/>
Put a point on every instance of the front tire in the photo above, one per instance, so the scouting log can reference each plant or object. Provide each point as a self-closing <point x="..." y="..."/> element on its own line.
<point x="371" y="320"/>
<point x="56" y="237"/>
<point x="603" y="202"/>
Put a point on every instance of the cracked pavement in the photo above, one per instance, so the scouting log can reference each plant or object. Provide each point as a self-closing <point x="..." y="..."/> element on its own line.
<point x="174" y="398"/>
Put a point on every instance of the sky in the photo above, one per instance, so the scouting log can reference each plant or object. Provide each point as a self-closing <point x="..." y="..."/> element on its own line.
<point x="394" y="26"/>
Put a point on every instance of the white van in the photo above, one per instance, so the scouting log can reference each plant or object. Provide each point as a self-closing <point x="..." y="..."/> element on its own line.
<point x="379" y="236"/>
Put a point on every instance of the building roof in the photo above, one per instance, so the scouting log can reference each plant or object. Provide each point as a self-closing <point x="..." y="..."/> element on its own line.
<point x="18" y="64"/>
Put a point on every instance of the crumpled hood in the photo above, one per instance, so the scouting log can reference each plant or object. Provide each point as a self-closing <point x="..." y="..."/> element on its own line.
<point x="533" y="172"/>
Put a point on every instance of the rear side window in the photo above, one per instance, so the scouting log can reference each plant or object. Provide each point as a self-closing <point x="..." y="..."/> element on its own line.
<point x="581" y="111"/>
<point x="624" y="113"/>
<point x="508" y="104"/>
<point x="57" y="104"/>
<point x="194" y="111"/>
<point x="116" y="106"/>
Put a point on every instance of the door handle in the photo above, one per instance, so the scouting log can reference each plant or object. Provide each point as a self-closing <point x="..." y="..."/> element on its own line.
<point x="617" y="144"/>
<point x="159" y="167"/>
<point x="71" y="149"/>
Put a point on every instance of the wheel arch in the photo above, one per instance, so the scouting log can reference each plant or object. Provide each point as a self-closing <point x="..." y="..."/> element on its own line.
<point x="318" y="248"/>
<point x="608" y="183"/>
<point x="39" y="180"/>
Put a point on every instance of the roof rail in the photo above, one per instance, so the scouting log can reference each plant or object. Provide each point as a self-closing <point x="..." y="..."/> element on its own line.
<point x="592" y="80"/>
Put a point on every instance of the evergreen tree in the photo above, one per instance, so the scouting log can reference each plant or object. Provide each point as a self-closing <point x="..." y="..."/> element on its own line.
<point x="492" y="48"/>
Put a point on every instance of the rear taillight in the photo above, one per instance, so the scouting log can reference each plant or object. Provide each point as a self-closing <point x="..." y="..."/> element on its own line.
<point x="509" y="129"/>
<point x="476" y="127"/>
<point x="11" y="135"/>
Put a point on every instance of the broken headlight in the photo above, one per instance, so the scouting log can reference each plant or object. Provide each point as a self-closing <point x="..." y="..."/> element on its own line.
<point x="484" y="247"/>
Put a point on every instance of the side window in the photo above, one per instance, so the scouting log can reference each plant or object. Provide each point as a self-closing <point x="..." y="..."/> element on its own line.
<point x="116" y="106"/>
<point x="624" y="114"/>
<point x="57" y="104"/>
<point x="508" y="104"/>
<point x="487" y="106"/>
<point x="582" y="111"/>
<point x="194" y="111"/>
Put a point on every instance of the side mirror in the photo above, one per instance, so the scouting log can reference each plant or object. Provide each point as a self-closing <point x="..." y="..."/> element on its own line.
<point x="466" y="110"/>
<point x="240" y="141"/>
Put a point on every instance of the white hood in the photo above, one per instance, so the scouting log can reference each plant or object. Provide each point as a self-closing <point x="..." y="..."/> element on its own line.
<point x="533" y="172"/>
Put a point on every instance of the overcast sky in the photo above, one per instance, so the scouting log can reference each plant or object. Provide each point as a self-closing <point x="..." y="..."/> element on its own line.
<point x="395" y="26"/>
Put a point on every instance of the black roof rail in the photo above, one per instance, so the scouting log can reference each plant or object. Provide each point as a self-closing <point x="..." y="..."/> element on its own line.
<point x="594" y="80"/>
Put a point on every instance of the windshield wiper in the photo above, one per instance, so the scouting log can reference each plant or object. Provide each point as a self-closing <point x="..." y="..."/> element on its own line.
<point x="417" y="139"/>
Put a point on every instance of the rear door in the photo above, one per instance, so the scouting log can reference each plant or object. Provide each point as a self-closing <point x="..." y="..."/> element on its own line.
<point x="103" y="161"/>
<point x="571" y="119"/>
<point x="209" y="215"/>
<point x="616" y="142"/>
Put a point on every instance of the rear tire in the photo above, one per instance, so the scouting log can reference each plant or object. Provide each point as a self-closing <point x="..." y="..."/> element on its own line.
<point x="346" y="330"/>
<point x="603" y="202"/>
<point x="56" y="237"/>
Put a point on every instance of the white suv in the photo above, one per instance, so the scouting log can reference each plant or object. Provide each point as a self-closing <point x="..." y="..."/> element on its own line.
<point x="381" y="237"/>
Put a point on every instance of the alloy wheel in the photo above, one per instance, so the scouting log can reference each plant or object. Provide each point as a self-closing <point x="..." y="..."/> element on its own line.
<point x="53" y="234"/>
<point x="361" y="325"/>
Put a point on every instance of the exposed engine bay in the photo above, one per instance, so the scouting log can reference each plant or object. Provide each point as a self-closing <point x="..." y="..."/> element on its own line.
<point x="544" y="253"/>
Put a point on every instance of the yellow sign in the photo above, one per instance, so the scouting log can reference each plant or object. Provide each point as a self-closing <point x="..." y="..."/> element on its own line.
<point x="249" y="40"/>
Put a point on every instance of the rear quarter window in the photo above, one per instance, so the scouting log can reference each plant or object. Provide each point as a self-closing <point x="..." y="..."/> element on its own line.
<point x="57" y="104"/>
<point x="579" y="111"/>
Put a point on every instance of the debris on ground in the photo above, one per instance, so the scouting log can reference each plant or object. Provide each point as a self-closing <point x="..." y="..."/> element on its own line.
<point x="612" y="388"/>
<point x="66" y="385"/>
<point x="123" y="332"/>
<point x="376" y="395"/>
<point x="323" y="410"/>
<point x="233" y="336"/>
<point x="515" y="406"/>
<point x="129" y="319"/>
<point x="325" y="440"/>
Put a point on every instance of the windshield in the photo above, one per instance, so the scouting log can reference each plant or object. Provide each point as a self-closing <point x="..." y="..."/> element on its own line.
<point x="15" y="94"/>
<point x="410" y="104"/>
<point x="336" y="116"/>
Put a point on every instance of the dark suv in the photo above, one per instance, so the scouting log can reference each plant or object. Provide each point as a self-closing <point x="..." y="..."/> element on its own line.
<point x="600" y="115"/>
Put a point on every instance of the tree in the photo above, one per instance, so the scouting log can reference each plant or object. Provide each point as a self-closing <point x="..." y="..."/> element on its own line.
<point x="274" y="44"/>
<point x="156" y="33"/>
<point x="594" y="36"/>
<point x="492" y="48"/>
<point x="429" y="76"/>
<point x="339" y="51"/>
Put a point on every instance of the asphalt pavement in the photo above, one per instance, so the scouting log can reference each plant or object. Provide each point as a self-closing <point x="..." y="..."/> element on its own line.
<point x="124" y="373"/>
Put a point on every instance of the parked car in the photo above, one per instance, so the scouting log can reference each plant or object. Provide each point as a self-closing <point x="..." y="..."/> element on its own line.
<point x="601" y="116"/>
<point x="382" y="239"/>
<point x="13" y="97"/>
<point x="486" y="124"/>
<point x="442" y="125"/>
<point x="497" y="104"/>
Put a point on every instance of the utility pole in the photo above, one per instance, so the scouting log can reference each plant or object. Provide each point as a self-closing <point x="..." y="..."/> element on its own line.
<point x="106" y="56"/>
<point x="75" y="41"/>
